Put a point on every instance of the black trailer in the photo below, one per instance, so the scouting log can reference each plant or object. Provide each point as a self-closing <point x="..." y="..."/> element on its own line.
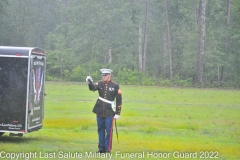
<point x="22" y="79"/>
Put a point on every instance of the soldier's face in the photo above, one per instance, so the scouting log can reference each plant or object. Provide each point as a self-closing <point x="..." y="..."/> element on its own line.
<point x="106" y="77"/>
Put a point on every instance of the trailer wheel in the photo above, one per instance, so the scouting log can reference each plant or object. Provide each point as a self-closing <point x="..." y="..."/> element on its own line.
<point x="1" y="133"/>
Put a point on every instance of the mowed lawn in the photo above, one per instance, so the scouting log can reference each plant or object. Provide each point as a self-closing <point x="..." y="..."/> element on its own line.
<point x="156" y="123"/>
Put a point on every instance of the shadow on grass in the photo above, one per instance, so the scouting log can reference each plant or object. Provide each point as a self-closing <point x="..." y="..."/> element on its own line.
<point x="9" y="139"/>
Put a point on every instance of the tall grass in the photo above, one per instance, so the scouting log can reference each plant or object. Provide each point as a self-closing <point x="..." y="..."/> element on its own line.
<point x="153" y="119"/>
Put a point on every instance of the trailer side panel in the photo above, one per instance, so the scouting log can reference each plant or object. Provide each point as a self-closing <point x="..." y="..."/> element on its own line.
<point x="36" y="92"/>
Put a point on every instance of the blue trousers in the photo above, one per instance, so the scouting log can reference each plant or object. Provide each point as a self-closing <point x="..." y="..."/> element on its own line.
<point x="105" y="132"/>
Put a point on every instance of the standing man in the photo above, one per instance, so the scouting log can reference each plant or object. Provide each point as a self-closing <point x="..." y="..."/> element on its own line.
<point x="105" y="108"/>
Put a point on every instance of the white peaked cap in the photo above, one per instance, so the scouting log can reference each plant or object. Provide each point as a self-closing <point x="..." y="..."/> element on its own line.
<point x="106" y="71"/>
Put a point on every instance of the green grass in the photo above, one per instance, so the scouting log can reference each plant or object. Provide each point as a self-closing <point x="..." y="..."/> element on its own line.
<point x="154" y="120"/>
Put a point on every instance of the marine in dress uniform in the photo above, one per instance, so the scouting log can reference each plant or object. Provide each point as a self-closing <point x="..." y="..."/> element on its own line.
<point x="105" y="108"/>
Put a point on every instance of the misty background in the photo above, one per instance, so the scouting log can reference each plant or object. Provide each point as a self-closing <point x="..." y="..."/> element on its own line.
<point x="148" y="42"/>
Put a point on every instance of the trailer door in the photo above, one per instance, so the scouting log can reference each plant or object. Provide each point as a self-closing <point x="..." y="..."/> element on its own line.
<point x="13" y="89"/>
<point x="36" y="92"/>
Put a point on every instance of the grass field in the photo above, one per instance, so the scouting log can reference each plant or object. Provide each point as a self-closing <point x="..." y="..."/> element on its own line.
<point x="156" y="123"/>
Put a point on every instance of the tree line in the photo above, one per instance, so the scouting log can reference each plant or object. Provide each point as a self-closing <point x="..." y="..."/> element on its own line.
<point x="150" y="42"/>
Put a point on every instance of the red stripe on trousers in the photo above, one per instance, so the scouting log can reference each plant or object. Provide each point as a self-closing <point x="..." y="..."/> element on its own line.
<point x="110" y="140"/>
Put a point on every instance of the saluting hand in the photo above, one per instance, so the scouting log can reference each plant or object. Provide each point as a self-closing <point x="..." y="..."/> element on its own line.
<point x="89" y="78"/>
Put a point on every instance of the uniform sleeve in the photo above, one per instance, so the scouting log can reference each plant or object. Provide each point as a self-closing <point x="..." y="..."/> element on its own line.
<point x="93" y="86"/>
<point x="119" y="101"/>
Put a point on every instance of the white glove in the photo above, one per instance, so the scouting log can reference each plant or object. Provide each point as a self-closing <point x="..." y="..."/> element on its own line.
<point x="89" y="78"/>
<point x="116" y="116"/>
